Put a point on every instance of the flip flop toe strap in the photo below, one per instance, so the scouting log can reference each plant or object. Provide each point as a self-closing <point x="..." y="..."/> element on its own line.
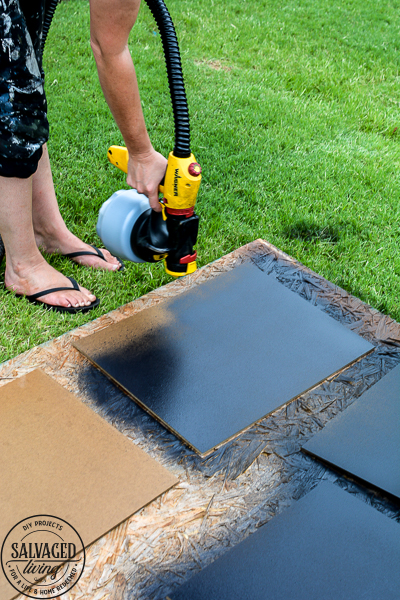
<point x="98" y="253"/>
<point x="58" y="289"/>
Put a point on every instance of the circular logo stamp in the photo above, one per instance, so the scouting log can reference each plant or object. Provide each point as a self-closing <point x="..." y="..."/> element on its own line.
<point x="43" y="556"/>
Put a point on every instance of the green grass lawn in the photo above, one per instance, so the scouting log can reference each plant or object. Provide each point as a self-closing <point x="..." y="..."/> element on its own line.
<point x="295" y="109"/>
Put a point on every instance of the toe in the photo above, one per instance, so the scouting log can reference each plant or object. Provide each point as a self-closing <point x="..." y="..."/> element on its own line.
<point x="111" y="264"/>
<point x="87" y="294"/>
<point x="68" y="299"/>
<point x="109" y="257"/>
<point x="57" y="299"/>
<point x="83" y="299"/>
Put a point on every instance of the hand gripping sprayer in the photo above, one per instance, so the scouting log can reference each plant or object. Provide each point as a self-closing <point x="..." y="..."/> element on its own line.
<point x="127" y="225"/>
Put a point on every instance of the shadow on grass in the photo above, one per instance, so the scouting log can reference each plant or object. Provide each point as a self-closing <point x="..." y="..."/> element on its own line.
<point x="314" y="232"/>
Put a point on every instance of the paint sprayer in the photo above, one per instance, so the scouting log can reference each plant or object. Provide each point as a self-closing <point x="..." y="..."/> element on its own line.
<point x="127" y="225"/>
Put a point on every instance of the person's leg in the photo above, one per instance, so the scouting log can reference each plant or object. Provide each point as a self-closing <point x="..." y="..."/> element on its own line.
<point x="27" y="272"/>
<point x="51" y="232"/>
<point x="23" y="131"/>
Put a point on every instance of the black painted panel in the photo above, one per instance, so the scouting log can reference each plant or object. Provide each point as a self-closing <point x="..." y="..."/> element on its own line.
<point x="213" y="360"/>
<point x="327" y="546"/>
<point x="364" y="440"/>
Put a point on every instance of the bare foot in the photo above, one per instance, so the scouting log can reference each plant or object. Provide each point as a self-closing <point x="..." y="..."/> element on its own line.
<point x="51" y="232"/>
<point x="66" y="243"/>
<point x="31" y="279"/>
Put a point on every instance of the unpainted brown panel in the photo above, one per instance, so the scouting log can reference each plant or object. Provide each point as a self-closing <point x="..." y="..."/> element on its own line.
<point x="57" y="457"/>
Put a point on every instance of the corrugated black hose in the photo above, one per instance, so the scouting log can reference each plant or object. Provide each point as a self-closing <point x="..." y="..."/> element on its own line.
<point x="175" y="77"/>
<point x="50" y="8"/>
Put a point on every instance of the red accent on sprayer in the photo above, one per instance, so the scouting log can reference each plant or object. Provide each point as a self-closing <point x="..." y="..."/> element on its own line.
<point x="194" y="169"/>
<point x="183" y="211"/>
<point x="188" y="258"/>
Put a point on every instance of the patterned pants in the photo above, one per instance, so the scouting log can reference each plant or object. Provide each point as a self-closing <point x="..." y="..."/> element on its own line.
<point x="23" y="121"/>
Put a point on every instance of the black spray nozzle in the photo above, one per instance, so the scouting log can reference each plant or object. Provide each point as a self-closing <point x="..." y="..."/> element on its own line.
<point x="153" y="238"/>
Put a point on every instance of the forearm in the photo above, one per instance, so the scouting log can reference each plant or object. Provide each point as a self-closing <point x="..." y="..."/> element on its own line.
<point x="111" y="22"/>
<point x="119" y="84"/>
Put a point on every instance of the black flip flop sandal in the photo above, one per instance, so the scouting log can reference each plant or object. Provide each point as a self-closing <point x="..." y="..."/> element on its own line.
<point x="68" y="309"/>
<point x="97" y="253"/>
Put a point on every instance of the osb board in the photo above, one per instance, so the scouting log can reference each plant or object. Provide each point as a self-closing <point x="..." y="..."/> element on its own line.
<point x="71" y="463"/>
<point x="230" y="351"/>
<point x="221" y="499"/>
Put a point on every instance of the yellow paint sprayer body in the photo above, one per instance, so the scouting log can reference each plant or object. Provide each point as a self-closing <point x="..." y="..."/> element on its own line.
<point x="126" y="222"/>
<point x="173" y="236"/>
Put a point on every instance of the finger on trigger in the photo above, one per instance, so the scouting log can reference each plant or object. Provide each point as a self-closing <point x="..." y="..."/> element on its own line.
<point x="156" y="206"/>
